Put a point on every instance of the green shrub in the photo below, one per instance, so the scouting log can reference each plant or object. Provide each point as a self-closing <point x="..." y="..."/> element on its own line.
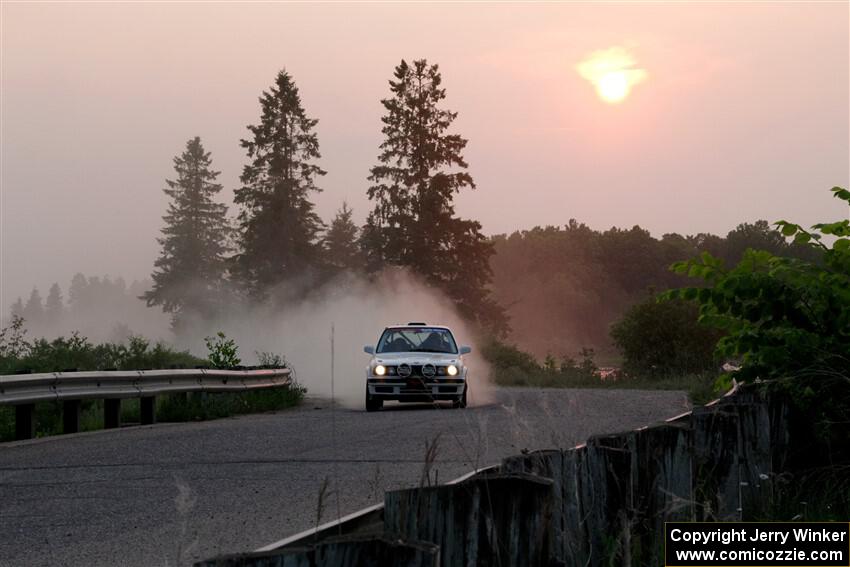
<point x="506" y="359"/>
<point x="78" y="353"/>
<point x="270" y="360"/>
<point x="788" y="320"/>
<point x="510" y="366"/>
<point x="659" y="339"/>
<point x="223" y="352"/>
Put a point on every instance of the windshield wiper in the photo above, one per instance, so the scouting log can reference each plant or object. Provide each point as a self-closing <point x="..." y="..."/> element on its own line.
<point x="429" y="350"/>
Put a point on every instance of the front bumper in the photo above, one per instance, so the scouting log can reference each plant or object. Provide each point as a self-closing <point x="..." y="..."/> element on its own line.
<point x="415" y="389"/>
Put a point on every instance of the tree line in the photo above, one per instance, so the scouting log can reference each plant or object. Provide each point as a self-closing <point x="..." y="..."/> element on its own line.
<point x="564" y="287"/>
<point x="279" y="249"/>
<point x="98" y="307"/>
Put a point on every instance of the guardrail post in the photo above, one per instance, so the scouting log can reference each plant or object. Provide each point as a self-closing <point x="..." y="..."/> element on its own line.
<point x="111" y="413"/>
<point x="147" y="410"/>
<point x="71" y="416"/>
<point x="24" y="421"/>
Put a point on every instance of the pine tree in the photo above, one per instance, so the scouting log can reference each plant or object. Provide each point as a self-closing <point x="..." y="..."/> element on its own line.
<point x="278" y="226"/>
<point x="421" y="169"/>
<point x="53" y="307"/>
<point x="33" y="312"/>
<point x="77" y="291"/>
<point x="341" y="242"/>
<point x="17" y="309"/>
<point x="189" y="272"/>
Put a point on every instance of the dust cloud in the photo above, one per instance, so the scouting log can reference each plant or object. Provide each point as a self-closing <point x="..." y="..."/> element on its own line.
<point x="357" y="310"/>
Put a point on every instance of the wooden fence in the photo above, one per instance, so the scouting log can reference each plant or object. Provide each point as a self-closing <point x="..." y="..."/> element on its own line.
<point x="602" y="502"/>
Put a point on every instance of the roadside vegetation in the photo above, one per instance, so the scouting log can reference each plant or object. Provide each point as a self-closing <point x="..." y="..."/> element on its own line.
<point x="788" y="321"/>
<point x="510" y="366"/>
<point x="18" y="355"/>
<point x="778" y="318"/>
<point x="782" y="311"/>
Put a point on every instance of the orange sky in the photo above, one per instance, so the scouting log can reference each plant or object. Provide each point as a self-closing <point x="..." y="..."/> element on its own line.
<point x="743" y="113"/>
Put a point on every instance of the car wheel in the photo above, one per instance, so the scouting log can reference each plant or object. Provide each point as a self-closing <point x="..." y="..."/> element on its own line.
<point x="461" y="401"/>
<point x="373" y="404"/>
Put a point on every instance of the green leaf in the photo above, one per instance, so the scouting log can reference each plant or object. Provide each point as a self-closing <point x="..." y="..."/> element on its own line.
<point x="680" y="267"/>
<point x="788" y="229"/>
<point x="842" y="244"/>
<point x="841" y="193"/>
<point x="669" y="295"/>
<point x="802" y="238"/>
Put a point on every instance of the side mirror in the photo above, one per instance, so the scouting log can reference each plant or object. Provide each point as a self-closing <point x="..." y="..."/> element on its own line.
<point x="465" y="350"/>
<point x="369" y="349"/>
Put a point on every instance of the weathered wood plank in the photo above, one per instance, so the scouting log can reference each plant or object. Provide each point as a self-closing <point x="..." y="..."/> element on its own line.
<point x="661" y="488"/>
<point x="340" y="552"/>
<point x="716" y="475"/>
<point x="494" y="519"/>
<point x="606" y="498"/>
<point x="376" y="552"/>
<point x="291" y="557"/>
<point x="547" y="464"/>
<point x="576" y="548"/>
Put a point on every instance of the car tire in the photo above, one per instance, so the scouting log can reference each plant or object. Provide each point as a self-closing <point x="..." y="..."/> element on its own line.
<point x="461" y="401"/>
<point x="373" y="404"/>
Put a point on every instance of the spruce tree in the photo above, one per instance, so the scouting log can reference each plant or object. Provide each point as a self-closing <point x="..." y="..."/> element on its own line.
<point x="189" y="272"/>
<point x="33" y="312"/>
<point x="77" y="291"/>
<point x="421" y="170"/>
<point x="341" y="241"/>
<point x="53" y="307"/>
<point x="278" y="226"/>
<point x="17" y="309"/>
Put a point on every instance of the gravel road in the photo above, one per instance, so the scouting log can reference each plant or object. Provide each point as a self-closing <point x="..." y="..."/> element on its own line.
<point x="170" y="494"/>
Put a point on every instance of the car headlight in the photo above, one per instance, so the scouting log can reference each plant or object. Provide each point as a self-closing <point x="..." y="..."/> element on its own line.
<point x="452" y="370"/>
<point x="380" y="370"/>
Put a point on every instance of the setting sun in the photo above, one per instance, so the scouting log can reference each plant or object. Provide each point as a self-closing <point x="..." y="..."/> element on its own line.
<point x="613" y="87"/>
<point x="612" y="72"/>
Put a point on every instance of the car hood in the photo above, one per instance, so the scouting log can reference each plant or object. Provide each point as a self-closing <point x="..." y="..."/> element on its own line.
<point x="415" y="358"/>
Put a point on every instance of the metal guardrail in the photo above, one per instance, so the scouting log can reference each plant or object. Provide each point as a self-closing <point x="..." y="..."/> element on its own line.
<point x="25" y="390"/>
<point x="61" y="386"/>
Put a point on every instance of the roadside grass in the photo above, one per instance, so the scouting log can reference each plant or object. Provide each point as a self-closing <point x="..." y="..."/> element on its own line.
<point x="203" y="406"/>
<point x="510" y="366"/>
<point x="169" y="408"/>
<point x="700" y="387"/>
<point x="818" y="495"/>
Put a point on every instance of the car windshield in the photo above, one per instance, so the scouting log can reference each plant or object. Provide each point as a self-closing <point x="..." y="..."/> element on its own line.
<point x="417" y="339"/>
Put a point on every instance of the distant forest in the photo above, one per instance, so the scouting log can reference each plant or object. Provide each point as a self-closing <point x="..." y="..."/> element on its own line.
<point x="561" y="287"/>
<point x="552" y="290"/>
<point x="100" y="308"/>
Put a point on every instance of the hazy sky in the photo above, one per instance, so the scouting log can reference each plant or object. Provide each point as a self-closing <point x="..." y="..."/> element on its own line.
<point x="741" y="112"/>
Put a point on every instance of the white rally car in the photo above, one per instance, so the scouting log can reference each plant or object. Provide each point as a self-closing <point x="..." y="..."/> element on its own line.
<point x="415" y="363"/>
